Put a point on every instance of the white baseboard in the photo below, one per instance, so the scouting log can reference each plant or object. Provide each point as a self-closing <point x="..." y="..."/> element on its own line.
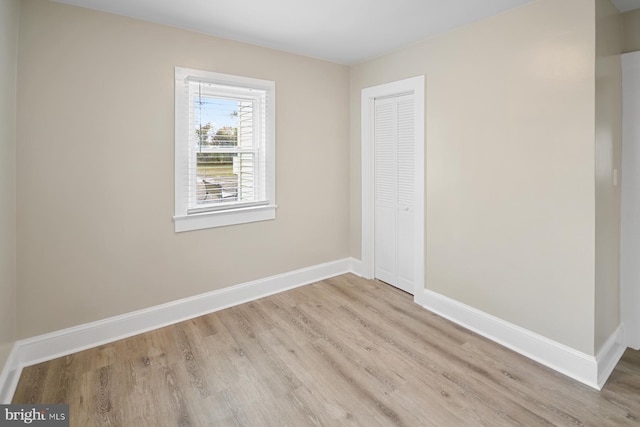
<point x="355" y="266"/>
<point x="609" y="355"/>
<point x="61" y="343"/>
<point x="9" y="376"/>
<point x="590" y="370"/>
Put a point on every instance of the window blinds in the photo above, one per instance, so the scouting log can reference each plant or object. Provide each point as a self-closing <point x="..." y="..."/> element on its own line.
<point x="227" y="158"/>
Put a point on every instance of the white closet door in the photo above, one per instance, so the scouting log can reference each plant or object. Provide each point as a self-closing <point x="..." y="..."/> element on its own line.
<point x="394" y="216"/>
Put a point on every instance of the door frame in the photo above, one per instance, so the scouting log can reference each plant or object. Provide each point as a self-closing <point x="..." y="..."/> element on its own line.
<point x="629" y="223"/>
<point x="415" y="86"/>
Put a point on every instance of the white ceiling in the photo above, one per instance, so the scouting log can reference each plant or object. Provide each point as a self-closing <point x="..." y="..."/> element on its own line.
<point x="343" y="31"/>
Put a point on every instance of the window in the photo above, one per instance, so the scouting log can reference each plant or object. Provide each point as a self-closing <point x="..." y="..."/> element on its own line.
<point x="225" y="150"/>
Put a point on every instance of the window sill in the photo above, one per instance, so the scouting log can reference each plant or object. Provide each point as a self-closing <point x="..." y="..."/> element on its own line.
<point x="223" y="218"/>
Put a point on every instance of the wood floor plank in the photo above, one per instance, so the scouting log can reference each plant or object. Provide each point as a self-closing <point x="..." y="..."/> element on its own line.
<point x="31" y="384"/>
<point x="321" y="388"/>
<point x="341" y="352"/>
<point x="275" y="374"/>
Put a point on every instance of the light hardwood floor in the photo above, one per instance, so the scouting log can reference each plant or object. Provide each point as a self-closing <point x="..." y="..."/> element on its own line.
<point x="344" y="351"/>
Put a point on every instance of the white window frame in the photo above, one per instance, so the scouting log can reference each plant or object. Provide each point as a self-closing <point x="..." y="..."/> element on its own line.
<point x="233" y="213"/>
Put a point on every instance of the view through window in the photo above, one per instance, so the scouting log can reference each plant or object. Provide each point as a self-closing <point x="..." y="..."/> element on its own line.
<point x="216" y="128"/>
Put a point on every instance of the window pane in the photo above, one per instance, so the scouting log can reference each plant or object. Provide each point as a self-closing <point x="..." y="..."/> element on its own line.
<point x="223" y="174"/>
<point x="215" y="121"/>
<point x="216" y="180"/>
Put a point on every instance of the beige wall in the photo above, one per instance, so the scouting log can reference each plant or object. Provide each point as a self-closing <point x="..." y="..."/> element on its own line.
<point x="631" y="31"/>
<point x="608" y="150"/>
<point x="9" y="16"/>
<point x="95" y="167"/>
<point x="510" y="218"/>
<point x="515" y="225"/>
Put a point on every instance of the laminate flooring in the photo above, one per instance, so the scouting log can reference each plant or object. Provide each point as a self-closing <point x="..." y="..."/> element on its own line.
<point x="343" y="351"/>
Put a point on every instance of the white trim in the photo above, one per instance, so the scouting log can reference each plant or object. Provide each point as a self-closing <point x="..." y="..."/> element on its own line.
<point x="589" y="370"/>
<point x="413" y="85"/>
<point x="61" y="343"/>
<point x="355" y="265"/>
<point x="609" y="356"/>
<point x="630" y="207"/>
<point x="9" y="376"/>
<point x="224" y="217"/>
